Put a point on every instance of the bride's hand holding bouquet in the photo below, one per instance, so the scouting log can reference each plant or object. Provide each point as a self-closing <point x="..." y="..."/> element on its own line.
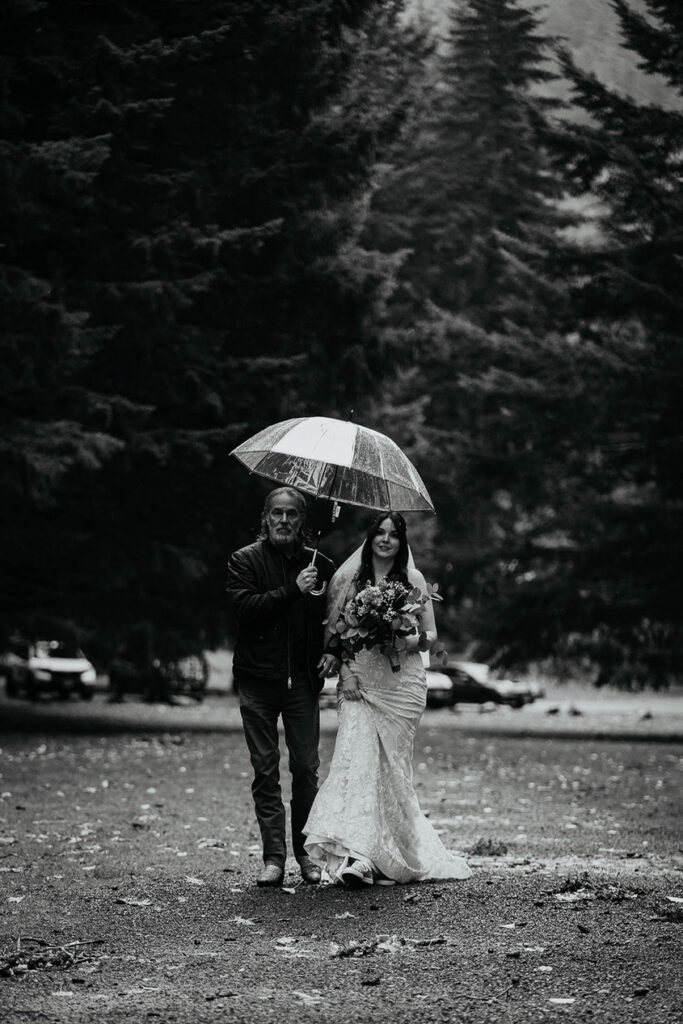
<point x="386" y="615"/>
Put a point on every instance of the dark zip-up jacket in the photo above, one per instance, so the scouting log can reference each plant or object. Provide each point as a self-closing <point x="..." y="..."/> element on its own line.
<point x="261" y="584"/>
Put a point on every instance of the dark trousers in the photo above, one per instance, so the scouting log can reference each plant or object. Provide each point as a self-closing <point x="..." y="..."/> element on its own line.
<point x="262" y="701"/>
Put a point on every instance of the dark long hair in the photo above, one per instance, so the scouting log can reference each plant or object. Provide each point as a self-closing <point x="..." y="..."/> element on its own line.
<point x="400" y="567"/>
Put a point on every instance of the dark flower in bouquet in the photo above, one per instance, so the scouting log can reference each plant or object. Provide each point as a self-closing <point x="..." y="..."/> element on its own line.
<point x="385" y="615"/>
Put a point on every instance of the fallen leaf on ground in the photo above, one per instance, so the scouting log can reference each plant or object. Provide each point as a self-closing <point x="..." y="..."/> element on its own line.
<point x="615" y="893"/>
<point x="306" y="999"/>
<point x="390" y="943"/>
<point x="575" y="897"/>
<point x="382" y="944"/>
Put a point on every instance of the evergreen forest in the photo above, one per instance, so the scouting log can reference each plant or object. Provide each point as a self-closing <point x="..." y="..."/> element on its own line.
<point x="220" y="215"/>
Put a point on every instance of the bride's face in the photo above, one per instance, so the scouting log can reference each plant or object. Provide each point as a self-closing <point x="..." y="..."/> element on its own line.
<point x="385" y="543"/>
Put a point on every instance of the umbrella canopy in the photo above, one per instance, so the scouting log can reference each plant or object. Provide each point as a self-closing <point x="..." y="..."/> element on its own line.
<point x="338" y="460"/>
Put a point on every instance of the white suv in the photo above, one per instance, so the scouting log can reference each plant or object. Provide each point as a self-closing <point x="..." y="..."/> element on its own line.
<point x="47" y="666"/>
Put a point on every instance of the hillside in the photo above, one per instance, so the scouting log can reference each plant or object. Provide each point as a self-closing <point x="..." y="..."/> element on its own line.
<point x="591" y="30"/>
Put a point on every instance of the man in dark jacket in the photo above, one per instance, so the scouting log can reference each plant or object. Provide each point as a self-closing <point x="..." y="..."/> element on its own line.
<point x="279" y="667"/>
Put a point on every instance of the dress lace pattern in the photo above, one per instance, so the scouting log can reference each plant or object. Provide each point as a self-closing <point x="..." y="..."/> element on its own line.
<point x="367" y="807"/>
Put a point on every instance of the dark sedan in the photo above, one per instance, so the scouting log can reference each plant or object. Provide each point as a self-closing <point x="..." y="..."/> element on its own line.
<point x="465" y="682"/>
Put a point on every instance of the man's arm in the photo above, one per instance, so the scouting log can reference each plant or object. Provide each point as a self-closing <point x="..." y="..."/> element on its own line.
<point x="249" y="602"/>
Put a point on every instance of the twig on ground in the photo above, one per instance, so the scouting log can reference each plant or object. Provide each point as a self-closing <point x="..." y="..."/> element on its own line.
<point x="58" y="945"/>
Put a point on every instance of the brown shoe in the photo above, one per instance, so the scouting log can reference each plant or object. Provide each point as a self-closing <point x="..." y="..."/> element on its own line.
<point x="272" y="874"/>
<point x="310" y="872"/>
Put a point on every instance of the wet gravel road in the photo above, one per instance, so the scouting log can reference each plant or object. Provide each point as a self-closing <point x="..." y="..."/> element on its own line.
<point x="128" y="854"/>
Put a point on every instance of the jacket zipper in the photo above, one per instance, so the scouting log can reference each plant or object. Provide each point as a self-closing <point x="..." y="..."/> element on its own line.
<point x="289" y="649"/>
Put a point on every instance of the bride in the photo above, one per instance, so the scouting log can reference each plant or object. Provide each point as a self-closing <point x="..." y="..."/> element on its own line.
<point x="366" y="825"/>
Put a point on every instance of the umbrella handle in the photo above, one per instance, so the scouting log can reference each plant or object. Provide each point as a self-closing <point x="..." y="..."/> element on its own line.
<point x="320" y="590"/>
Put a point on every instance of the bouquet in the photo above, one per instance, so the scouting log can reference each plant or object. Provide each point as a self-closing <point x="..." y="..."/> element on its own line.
<point x="384" y="615"/>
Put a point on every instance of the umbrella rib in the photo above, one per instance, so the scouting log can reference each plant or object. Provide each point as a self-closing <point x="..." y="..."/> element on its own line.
<point x="384" y="481"/>
<point x="426" y="506"/>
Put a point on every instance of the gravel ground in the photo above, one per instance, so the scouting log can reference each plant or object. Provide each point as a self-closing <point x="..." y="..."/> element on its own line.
<point x="128" y="854"/>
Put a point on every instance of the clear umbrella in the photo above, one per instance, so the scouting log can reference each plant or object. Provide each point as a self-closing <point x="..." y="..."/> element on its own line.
<point x="339" y="460"/>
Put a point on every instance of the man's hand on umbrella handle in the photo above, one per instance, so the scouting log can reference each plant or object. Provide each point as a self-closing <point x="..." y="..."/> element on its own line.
<point x="307" y="579"/>
<point x="328" y="665"/>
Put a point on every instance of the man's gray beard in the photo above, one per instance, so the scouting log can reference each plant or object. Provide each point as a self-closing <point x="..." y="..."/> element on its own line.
<point x="287" y="543"/>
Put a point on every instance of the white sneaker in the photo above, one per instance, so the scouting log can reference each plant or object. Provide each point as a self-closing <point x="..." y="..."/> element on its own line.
<point x="357" y="874"/>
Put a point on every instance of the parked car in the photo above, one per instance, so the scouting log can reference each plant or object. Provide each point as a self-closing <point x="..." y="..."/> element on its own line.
<point x="47" y="666"/>
<point x="459" y="682"/>
<point x="159" y="680"/>
<point x="439" y="689"/>
<point x="472" y="683"/>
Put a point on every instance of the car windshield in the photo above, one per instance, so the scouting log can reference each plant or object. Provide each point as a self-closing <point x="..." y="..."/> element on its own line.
<point x="56" y="649"/>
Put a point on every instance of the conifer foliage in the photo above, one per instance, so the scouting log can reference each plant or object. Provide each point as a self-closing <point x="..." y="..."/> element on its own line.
<point x="631" y="301"/>
<point x="482" y="218"/>
<point x="485" y="290"/>
<point x="180" y="265"/>
<point x="545" y="403"/>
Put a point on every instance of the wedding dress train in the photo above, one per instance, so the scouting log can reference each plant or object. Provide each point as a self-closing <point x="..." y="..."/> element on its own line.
<point x="367" y="807"/>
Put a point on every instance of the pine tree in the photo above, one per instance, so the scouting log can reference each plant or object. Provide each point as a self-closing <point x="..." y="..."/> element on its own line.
<point x="476" y="200"/>
<point x="631" y="563"/>
<point x="182" y="265"/>
<point x="474" y="197"/>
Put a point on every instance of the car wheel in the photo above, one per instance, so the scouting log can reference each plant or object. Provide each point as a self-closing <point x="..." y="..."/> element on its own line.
<point x="11" y="687"/>
<point x="86" y="693"/>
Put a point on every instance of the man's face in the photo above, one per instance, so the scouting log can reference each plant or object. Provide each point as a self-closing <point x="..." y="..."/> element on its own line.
<point x="284" y="521"/>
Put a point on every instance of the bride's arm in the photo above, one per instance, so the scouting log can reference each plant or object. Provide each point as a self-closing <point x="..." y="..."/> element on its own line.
<point x="339" y="591"/>
<point x="416" y="579"/>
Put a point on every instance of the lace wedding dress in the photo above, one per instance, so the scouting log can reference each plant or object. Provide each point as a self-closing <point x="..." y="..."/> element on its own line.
<point x="367" y="807"/>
